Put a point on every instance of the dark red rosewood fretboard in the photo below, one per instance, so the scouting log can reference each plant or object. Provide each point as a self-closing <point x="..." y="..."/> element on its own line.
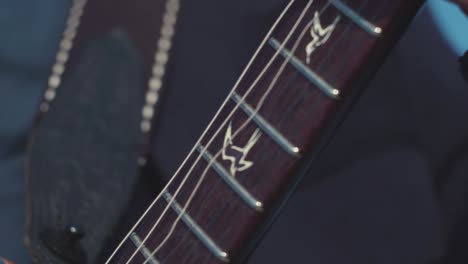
<point x="242" y="173"/>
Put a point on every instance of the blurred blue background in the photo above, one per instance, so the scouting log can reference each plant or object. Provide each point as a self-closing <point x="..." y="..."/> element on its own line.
<point x="398" y="146"/>
<point x="452" y="24"/>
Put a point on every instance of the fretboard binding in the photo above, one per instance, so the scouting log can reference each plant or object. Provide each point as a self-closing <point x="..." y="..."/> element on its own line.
<point x="267" y="128"/>
<point x="143" y="250"/>
<point x="356" y="18"/>
<point x="325" y="87"/>
<point x="196" y="229"/>
<point x="231" y="181"/>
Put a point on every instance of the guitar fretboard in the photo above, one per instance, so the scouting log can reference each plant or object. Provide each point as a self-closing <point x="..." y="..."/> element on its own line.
<point x="301" y="82"/>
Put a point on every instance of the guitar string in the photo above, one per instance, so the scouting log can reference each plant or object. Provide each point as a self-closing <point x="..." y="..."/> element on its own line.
<point x="186" y="177"/>
<point x="260" y="104"/>
<point x="241" y="77"/>
<point x="345" y="33"/>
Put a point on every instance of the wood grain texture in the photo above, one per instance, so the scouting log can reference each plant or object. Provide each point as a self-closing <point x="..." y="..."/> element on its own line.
<point x="297" y="109"/>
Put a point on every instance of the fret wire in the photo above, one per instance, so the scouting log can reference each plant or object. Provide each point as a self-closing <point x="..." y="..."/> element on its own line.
<point x="196" y="229"/>
<point x="231" y="182"/>
<point x="197" y="215"/>
<point x="143" y="249"/>
<point x="355" y="44"/>
<point x="313" y="77"/>
<point x="339" y="40"/>
<point x="354" y="16"/>
<point x="274" y="134"/>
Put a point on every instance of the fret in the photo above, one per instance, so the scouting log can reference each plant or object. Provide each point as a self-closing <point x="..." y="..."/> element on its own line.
<point x="313" y="77"/>
<point x="231" y="181"/>
<point x="358" y="19"/>
<point x="142" y="249"/>
<point x="196" y="229"/>
<point x="267" y="128"/>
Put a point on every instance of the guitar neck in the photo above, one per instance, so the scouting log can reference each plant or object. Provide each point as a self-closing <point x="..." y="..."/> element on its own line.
<point x="303" y="79"/>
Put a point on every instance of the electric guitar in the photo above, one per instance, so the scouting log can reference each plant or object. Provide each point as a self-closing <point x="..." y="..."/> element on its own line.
<point x="300" y="83"/>
<point x="303" y="78"/>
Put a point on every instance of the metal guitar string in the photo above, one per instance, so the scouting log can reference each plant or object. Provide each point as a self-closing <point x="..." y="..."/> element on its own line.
<point x="169" y="204"/>
<point x="244" y="72"/>
<point x="260" y="104"/>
